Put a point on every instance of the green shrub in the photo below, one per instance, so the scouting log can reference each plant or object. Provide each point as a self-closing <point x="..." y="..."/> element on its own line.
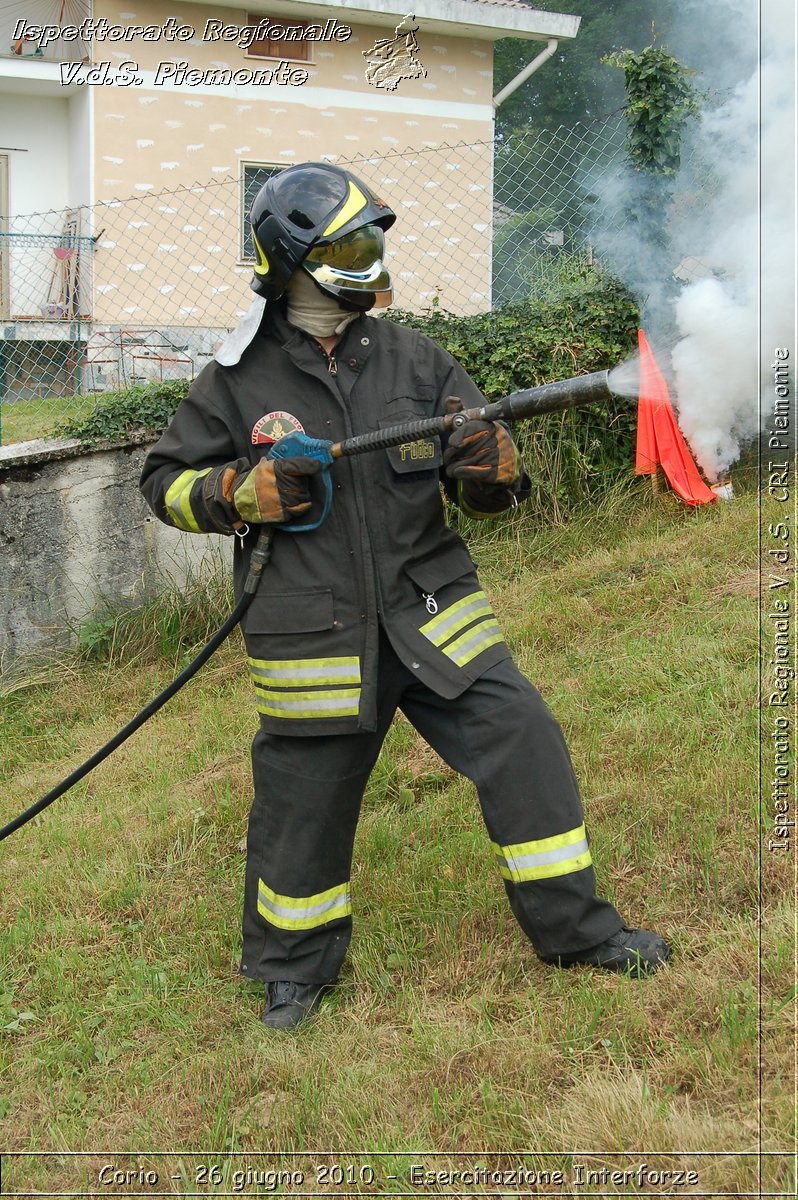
<point x="588" y="326"/>
<point x="144" y="408"/>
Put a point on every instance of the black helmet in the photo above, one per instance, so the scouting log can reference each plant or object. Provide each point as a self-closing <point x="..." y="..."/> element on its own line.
<point x="304" y="209"/>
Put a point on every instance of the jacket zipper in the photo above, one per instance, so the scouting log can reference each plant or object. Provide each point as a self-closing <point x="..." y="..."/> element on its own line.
<point x="332" y="365"/>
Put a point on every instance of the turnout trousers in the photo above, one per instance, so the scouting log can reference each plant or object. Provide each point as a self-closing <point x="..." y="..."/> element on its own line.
<point x="500" y="734"/>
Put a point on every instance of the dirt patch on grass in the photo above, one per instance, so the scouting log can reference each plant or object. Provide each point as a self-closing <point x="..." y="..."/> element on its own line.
<point x="746" y="584"/>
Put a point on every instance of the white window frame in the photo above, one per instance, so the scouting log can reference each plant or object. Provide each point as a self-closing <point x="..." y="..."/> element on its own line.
<point x="246" y="254"/>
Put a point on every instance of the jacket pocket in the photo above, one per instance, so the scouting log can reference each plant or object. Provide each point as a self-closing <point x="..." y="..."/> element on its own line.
<point x="417" y="458"/>
<point x="457" y="618"/>
<point x="299" y="683"/>
<point x="301" y="611"/>
<point x="436" y="570"/>
<point x="424" y="397"/>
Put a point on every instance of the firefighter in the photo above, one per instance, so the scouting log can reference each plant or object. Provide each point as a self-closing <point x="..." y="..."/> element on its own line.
<point x="376" y="609"/>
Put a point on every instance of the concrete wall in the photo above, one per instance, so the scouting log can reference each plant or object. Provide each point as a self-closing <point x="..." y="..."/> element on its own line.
<point x="75" y="533"/>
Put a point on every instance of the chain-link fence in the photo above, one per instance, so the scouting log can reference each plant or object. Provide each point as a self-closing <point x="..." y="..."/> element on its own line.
<point x="141" y="289"/>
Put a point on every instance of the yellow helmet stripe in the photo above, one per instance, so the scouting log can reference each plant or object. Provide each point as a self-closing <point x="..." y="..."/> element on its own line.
<point x="354" y="203"/>
<point x="262" y="266"/>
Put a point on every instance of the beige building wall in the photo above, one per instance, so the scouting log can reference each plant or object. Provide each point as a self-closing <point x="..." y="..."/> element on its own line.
<point x="175" y="259"/>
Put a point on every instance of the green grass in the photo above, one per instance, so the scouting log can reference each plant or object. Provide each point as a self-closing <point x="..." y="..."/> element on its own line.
<point x="126" y="1027"/>
<point x="24" y="420"/>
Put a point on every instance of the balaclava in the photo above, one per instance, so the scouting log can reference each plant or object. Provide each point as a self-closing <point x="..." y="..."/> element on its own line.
<point x="309" y="308"/>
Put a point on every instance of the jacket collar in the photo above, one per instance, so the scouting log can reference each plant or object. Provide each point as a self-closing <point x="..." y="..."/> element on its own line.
<point x="278" y="326"/>
<point x="357" y="340"/>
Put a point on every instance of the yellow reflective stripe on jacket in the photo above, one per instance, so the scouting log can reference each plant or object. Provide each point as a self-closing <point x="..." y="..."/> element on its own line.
<point x="474" y="615"/>
<point x="178" y="497"/>
<point x="445" y="624"/>
<point x="304" y="912"/>
<point x="543" y="859"/>
<point x="344" y="702"/>
<point x="301" y="672"/>
<point x="474" y="641"/>
<point x="306" y="688"/>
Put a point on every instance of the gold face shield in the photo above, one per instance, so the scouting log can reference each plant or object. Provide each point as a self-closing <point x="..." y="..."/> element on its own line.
<point x="351" y="269"/>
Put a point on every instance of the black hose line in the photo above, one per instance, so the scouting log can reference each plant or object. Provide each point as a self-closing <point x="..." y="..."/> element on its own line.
<point x="260" y="558"/>
<point x="137" y="721"/>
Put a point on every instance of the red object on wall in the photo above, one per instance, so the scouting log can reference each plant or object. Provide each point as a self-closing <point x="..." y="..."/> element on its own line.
<point x="660" y="442"/>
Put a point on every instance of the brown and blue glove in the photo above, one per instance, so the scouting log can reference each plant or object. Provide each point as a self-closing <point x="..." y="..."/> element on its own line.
<point x="275" y="491"/>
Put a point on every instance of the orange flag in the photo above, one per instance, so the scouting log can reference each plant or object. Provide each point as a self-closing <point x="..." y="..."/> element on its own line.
<point x="659" y="440"/>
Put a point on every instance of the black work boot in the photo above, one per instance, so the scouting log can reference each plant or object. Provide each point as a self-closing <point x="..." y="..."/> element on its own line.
<point x="634" y="951"/>
<point x="289" y="1003"/>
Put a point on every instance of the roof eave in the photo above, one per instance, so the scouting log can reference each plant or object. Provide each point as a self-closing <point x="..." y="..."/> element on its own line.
<point x="456" y="18"/>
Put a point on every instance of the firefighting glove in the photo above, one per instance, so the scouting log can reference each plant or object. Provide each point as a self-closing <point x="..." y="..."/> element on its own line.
<point x="275" y="491"/>
<point x="483" y="452"/>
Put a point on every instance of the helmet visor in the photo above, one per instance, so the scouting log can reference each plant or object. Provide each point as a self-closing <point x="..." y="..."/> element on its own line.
<point x="351" y="268"/>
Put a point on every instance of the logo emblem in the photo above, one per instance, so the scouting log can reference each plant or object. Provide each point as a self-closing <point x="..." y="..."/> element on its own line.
<point x="273" y="426"/>
<point x="390" y="60"/>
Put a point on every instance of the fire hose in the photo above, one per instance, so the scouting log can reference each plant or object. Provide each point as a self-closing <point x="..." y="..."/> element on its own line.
<point x="530" y="402"/>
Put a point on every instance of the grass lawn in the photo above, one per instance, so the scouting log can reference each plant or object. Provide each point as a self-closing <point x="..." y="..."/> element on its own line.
<point x="24" y="420"/>
<point x="127" y="1031"/>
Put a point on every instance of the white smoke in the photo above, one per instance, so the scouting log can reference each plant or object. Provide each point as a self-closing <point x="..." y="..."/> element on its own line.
<point x="716" y="365"/>
<point x="720" y="217"/>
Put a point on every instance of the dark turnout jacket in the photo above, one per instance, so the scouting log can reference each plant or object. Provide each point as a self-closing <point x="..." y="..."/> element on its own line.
<point x="384" y="555"/>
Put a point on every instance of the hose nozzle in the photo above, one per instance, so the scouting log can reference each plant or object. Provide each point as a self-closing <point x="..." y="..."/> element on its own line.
<point x="552" y="397"/>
